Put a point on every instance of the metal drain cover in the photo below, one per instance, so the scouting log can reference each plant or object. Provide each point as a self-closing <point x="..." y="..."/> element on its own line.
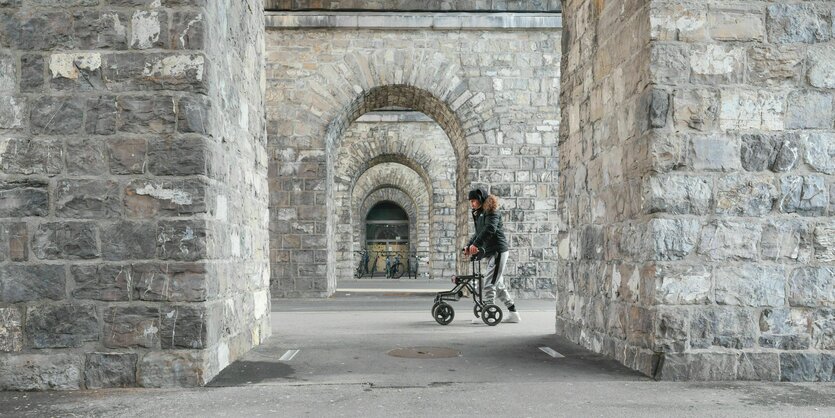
<point x="424" y="352"/>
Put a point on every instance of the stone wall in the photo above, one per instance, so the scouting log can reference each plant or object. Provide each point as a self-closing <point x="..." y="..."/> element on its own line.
<point x="494" y="93"/>
<point x="734" y="215"/>
<point x="119" y="208"/>
<point x="417" y="5"/>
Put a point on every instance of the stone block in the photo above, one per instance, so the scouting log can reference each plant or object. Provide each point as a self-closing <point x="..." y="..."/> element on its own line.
<point x="714" y="153"/>
<point x="185" y="156"/>
<point x="679" y="195"/>
<point x="809" y="110"/>
<point x="823" y="329"/>
<point x="683" y="285"/>
<point x="825" y="243"/>
<point x="55" y="371"/>
<point x="770" y="65"/>
<point x="75" y="71"/>
<point x="65" y="240"/>
<point x="103" y="116"/>
<point x="12" y="112"/>
<point x="141" y="71"/>
<point x="807" y="367"/>
<point x="785" y="321"/>
<point x="149" y="29"/>
<point x="105" y="282"/>
<point x="187" y="30"/>
<point x="679" y="22"/>
<point x="149" y="198"/>
<point x="719" y="64"/>
<point x="729" y="240"/>
<point x="729" y="23"/>
<point x="44" y="30"/>
<point x="127" y="156"/>
<point x="770" y="152"/>
<point x="673" y="239"/>
<point x="820" y="152"/>
<point x="11" y="330"/>
<point x="670" y="63"/>
<point x="747" y="109"/>
<point x="86" y="157"/>
<point x="671" y="329"/>
<point x="173" y="282"/>
<point x="759" y="367"/>
<point x="821" y="64"/>
<point x="144" y="115"/>
<point x="797" y="23"/>
<point x="22" y="198"/>
<point x="740" y="195"/>
<point x="787" y="240"/>
<point x="14" y="242"/>
<point x="131" y="326"/>
<point x="182" y="240"/>
<point x="187" y="326"/>
<point x="750" y="285"/>
<point x="56" y="115"/>
<point x="194" y="115"/>
<point x="106" y="29"/>
<point x="804" y="195"/>
<point x="31" y="156"/>
<point x="88" y="199"/>
<point x="172" y="369"/>
<point x="785" y="342"/>
<point x="61" y="325"/>
<point x="8" y="70"/>
<point x="27" y="283"/>
<point x="110" y="370"/>
<point x="698" y="367"/>
<point x="658" y="108"/>
<point x="722" y="326"/>
<point x="32" y="73"/>
<point x="127" y="240"/>
<point x="812" y="287"/>
<point x="696" y="109"/>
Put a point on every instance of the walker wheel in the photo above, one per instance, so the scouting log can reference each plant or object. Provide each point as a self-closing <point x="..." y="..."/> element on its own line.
<point x="477" y="311"/>
<point x="492" y="315"/>
<point x="435" y="306"/>
<point x="443" y="313"/>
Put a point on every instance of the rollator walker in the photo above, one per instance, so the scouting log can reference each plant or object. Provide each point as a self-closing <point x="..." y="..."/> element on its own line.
<point x="443" y="313"/>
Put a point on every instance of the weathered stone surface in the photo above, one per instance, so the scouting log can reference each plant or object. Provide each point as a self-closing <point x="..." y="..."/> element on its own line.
<point x="750" y="285"/>
<point x="701" y="367"/>
<point x="173" y="282"/>
<point x="671" y="63"/>
<point x="88" y="199"/>
<point x="181" y="240"/>
<point x="128" y="240"/>
<point x="127" y="156"/>
<point x="75" y="71"/>
<point x="696" y="109"/>
<point x="767" y="152"/>
<point x="31" y="73"/>
<point x="728" y="327"/>
<point x="104" y="282"/>
<point x="807" y="367"/>
<point x="149" y="29"/>
<point x="823" y="330"/>
<point x="679" y="195"/>
<point x="187" y="30"/>
<point x="14" y="242"/>
<point x="131" y="326"/>
<point x="103" y="116"/>
<point x="740" y="23"/>
<point x="193" y="115"/>
<point x="671" y="329"/>
<point x="56" y="371"/>
<point x="70" y="240"/>
<point x="171" y="369"/>
<point x="683" y="285"/>
<point x="12" y="111"/>
<point x="812" y="287"/>
<point x="186" y="326"/>
<point x="141" y="71"/>
<point x="658" y="109"/>
<point x="770" y="65"/>
<point x="56" y="115"/>
<point x="62" y="325"/>
<point x="96" y="29"/>
<point x="26" y="283"/>
<point x="716" y="64"/>
<point x="147" y="198"/>
<point x="740" y="195"/>
<point x="714" y="153"/>
<point x="8" y="79"/>
<point x="787" y="239"/>
<point x="809" y="110"/>
<point x="110" y="370"/>
<point x="825" y="243"/>
<point x="805" y="195"/>
<point x="143" y="115"/>
<point x="11" y="330"/>
<point x="24" y="198"/>
<point x="31" y="156"/>
<point x="785" y="342"/>
<point x="182" y="157"/>
<point x="820" y="152"/>
<point x="86" y="156"/>
<point x="723" y="240"/>
<point x="821" y="71"/>
<point x="748" y="109"/>
<point x="759" y="366"/>
<point x="790" y="23"/>
<point x="673" y="239"/>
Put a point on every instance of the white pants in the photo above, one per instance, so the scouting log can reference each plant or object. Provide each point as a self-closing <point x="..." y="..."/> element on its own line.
<point x="494" y="281"/>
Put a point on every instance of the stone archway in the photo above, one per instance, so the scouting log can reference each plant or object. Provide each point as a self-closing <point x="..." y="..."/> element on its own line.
<point x="400" y="198"/>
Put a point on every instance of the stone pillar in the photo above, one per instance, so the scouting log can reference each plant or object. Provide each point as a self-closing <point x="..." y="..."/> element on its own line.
<point x="133" y="244"/>
<point x="717" y="263"/>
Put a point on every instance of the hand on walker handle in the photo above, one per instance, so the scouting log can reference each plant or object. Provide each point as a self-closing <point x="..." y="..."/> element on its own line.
<point x="471" y="250"/>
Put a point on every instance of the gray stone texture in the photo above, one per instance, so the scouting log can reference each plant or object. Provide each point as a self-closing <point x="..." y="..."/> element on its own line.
<point x="61" y="325"/>
<point x="110" y="370"/>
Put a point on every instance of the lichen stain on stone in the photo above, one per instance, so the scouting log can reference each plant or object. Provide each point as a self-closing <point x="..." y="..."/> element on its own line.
<point x="146" y="29"/>
<point x="70" y="65"/>
<point x="176" y="196"/>
<point x="176" y="66"/>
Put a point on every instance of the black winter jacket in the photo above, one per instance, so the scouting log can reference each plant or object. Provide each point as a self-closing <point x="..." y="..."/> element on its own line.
<point x="489" y="233"/>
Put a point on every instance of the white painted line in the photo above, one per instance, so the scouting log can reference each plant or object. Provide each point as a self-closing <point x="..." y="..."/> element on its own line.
<point x="289" y="355"/>
<point x="551" y="352"/>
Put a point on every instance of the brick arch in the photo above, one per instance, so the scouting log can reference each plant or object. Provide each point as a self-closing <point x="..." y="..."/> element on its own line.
<point x="418" y="233"/>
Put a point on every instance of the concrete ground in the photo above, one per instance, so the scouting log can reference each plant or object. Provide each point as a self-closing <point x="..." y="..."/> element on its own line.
<point x="344" y="367"/>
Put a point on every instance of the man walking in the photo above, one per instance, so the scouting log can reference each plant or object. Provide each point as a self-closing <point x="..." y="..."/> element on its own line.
<point x="490" y="241"/>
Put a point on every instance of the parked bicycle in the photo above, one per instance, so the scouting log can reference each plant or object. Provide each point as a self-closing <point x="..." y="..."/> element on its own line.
<point x="362" y="266"/>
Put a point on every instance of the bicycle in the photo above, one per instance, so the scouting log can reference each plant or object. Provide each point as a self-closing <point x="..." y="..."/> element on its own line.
<point x="362" y="267"/>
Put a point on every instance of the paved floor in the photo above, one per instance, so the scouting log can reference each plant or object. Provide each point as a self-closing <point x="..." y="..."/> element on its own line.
<point x="343" y="367"/>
